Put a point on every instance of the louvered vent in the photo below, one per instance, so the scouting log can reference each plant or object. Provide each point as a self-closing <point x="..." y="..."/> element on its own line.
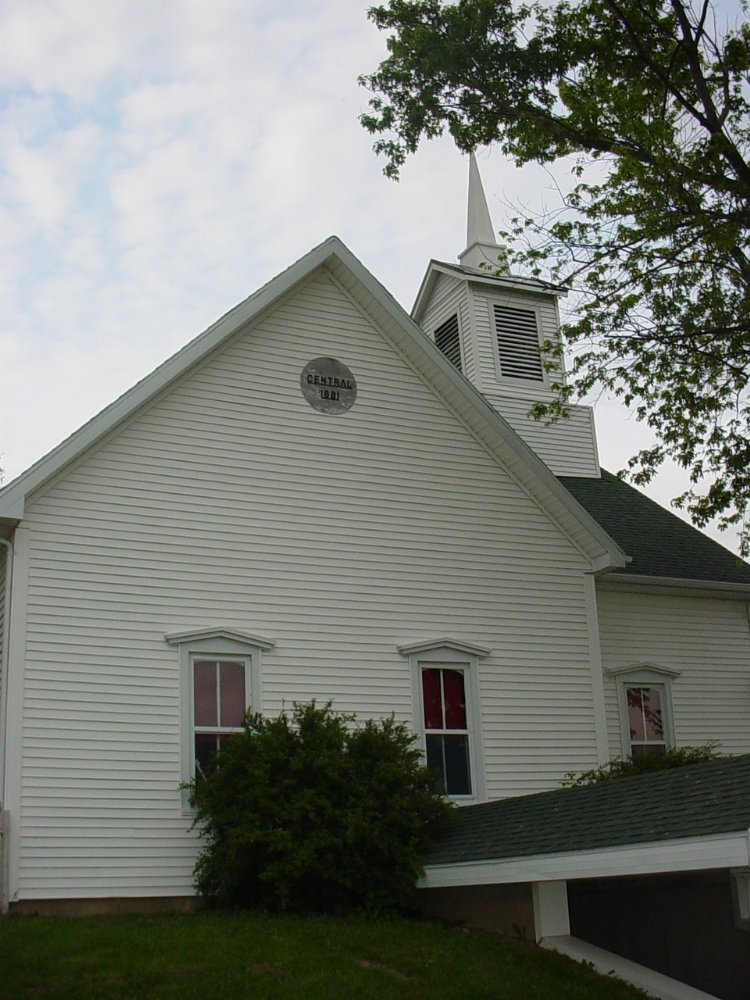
<point x="448" y="341"/>
<point x="518" y="343"/>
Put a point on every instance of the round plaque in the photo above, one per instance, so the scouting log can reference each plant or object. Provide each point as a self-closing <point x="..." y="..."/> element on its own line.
<point x="328" y="385"/>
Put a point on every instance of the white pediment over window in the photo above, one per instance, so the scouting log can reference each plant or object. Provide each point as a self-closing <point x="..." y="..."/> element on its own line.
<point x="642" y="669"/>
<point x="218" y="633"/>
<point x="444" y="642"/>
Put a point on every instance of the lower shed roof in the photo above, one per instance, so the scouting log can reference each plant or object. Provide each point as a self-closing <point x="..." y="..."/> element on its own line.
<point x="659" y="543"/>
<point x="697" y="800"/>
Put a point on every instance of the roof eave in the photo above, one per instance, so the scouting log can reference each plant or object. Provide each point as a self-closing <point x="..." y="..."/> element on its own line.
<point x="508" y="282"/>
<point x="671" y="585"/>
<point x="722" y="850"/>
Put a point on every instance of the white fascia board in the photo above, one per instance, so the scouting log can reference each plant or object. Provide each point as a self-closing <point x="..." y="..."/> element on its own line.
<point x="690" y="854"/>
<point x="675" y="586"/>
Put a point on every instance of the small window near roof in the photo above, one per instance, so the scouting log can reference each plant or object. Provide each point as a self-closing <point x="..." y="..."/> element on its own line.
<point x="645" y="720"/>
<point x="518" y="343"/>
<point x="644" y="694"/>
<point x="448" y="340"/>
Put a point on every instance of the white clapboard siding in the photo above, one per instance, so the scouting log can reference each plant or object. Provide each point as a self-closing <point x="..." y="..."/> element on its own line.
<point x="568" y="446"/>
<point x="450" y="298"/>
<point x="707" y="640"/>
<point x="230" y="501"/>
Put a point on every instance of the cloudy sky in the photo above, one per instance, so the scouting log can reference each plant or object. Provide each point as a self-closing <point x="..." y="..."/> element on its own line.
<point x="160" y="159"/>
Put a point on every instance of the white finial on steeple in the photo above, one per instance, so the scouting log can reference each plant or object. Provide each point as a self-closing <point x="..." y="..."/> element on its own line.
<point x="481" y="246"/>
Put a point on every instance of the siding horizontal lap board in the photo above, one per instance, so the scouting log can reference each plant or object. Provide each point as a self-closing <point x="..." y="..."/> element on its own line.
<point x="705" y="640"/>
<point x="229" y="500"/>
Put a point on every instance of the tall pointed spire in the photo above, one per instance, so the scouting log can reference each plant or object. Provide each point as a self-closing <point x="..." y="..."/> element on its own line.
<point x="481" y="245"/>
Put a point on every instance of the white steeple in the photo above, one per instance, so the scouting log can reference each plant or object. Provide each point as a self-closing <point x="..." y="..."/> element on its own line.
<point x="481" y="246"/>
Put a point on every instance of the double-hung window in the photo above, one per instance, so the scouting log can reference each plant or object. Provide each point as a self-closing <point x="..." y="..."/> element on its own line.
<point x="646" y="719"/>
<point x="446" y="728"/>
<point x="644" y="695"/>
<point x="220" y="689"/>
<point x="220" y="680"/>
<point x="445" y="686"/>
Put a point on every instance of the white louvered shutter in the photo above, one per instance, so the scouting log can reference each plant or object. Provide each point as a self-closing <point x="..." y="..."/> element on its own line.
<point x="448" y="341"/>
<point x="518" y="343"/>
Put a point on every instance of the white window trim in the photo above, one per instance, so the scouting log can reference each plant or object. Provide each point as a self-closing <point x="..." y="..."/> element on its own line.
<point x="516" y="303"/>
<point x="453" y="654"/>
<point x="645" y="675"/>
<point x="214" y="644"/>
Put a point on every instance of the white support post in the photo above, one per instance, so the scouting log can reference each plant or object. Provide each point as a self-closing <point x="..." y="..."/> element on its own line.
<point x="551" y="918"/>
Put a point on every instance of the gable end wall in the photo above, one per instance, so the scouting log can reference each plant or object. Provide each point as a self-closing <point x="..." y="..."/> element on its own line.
<point x="231" y="501"/>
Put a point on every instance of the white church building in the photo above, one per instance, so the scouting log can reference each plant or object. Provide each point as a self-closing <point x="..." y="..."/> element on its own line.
<point x="324" y="497"/>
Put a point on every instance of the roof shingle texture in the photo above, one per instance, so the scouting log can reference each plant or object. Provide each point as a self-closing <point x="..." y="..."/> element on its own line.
<point x="660" y="543"/>
<point x="693" y="801"/>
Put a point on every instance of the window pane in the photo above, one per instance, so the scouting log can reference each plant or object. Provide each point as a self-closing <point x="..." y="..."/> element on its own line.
<point x="433" y="708"/>
<point x="635" y="714"/>
<point x="448" y="759"/>
<point x="435" y="760"/>
<point x="456" y="751"/>
<point x="232" y="693"/>
<point x="651" y="700"/>
<point x="204" y="692"/>
<point x="205" y="749"/>
<point x="455" y="700"/>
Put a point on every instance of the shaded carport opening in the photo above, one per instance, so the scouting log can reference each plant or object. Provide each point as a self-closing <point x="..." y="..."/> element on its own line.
<point x="685" y="925"/>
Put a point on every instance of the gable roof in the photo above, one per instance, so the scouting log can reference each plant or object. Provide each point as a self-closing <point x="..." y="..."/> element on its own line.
<point x="488" y="427"/>
<point x="694" y="801"/>
<point x="659" y="543"/>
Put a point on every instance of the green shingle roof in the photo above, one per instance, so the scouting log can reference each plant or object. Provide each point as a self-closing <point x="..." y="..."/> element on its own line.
<point x="659" y="542"/>
<point x="694" y="801"/>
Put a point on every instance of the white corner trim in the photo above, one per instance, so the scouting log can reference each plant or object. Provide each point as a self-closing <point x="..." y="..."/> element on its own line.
<point x="218" y="632"/>
<point x="606" y="963"/>
<point x="597" y="676"/>
<point x="723" y="850"/>
<point x="14" y="692"/>
<point x="445" y="642"/>
<point x="643" y="667"/>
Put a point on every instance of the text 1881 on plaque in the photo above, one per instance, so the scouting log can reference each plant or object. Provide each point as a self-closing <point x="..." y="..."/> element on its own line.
<point x="328" y="385"/>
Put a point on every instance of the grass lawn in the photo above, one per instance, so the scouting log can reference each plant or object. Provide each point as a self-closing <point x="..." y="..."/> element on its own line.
<point x="215" y="955"/>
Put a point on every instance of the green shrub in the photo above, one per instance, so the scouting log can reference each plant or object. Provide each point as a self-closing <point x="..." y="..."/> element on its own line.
<point x="307" y="813"/>
<point x="623" y="767"/>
